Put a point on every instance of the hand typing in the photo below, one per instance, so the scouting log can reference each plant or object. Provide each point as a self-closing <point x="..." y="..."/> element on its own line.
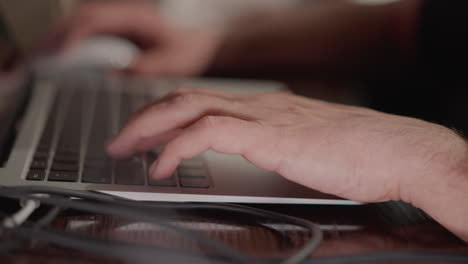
<point x="348" y="151"/>
<point x="352" y="152"/>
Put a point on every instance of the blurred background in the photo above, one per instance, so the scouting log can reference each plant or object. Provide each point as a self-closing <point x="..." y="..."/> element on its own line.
<point x="414" y="93"/>
<point x="22" y="28"/>
<point x="26" y="21"/>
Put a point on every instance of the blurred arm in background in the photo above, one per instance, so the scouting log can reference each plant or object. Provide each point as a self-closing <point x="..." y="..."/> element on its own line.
<point x="335" y="36"/>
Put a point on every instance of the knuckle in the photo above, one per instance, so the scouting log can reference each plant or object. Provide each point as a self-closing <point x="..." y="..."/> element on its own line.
<point x="210" y="122"/>
<point x="186" y="99"/>
<point x="180" y="91"/>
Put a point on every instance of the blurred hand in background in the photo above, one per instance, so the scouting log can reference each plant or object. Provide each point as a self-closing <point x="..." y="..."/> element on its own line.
<point x="167" y="50"/>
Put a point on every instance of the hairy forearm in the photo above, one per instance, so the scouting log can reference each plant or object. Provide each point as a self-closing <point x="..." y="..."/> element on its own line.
<point x="324" y="35"/>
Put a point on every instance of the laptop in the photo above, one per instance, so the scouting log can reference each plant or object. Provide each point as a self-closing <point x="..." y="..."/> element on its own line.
<point x="54" y="129"/>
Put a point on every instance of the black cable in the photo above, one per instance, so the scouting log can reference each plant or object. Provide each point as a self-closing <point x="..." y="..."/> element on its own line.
<point x="8" y="246"/>
<point x="48" y="218"/>
<point x="302" y="254"/>
<point x="135" y="214"/>
<point x="378" y="257"/>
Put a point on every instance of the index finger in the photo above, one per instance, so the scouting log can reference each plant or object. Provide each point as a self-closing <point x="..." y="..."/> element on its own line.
<point x="176" y="112"/>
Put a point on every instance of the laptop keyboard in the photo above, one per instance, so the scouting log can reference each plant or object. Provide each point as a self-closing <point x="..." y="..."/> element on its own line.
<point x="81" y="120"/>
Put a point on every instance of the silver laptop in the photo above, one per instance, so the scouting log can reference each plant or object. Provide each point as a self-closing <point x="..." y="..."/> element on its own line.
<point x="54" y="130"/>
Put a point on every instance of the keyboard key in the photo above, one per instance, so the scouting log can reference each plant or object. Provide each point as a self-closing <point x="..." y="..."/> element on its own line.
<point x="36" y="175"/>
<point x="40" y="164"/>
<point x="68" y="146"/>
<point x="168" y="182"/>
<point x="100" y="175"/>
<point x="45" y="142"/>
<point x="189" y="182"/>
<point x="191" y="163"/>
<point x="65" y="176"/>
<point x="103" y="162"/>
<point x="192" y="172"/>
<point x="66" y="157"/>
<point x="67" y="153"/>
<point x="43" y="148"/>
<point x="97" y="166"/>
<point x="65" y="166"/>
<point x="193" y="178"/>
<point x="129" y="171"/>
<point x="41" y="155"/>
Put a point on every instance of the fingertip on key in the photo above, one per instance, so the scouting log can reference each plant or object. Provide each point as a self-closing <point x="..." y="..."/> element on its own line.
<point x="115" y="150"/>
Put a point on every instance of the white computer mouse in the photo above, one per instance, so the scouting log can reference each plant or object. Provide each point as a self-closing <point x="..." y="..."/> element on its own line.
<point x="95" y="53"/>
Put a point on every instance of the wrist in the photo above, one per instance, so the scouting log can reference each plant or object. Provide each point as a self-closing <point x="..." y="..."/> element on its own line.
<point x="442" y="189"/>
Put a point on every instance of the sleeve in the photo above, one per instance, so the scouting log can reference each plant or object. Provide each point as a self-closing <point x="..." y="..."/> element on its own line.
<point x="443" y="38"/>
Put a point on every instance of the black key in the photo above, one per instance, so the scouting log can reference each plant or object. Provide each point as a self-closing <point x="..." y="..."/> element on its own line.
<point x="66" y="158"/>
<point x="193" y="178"/>
<point x="47" y="133"/>
<point x="43" y="148"/>
<point x="192" y="172"/>
<point x="65" y="166"/>
<point x="97" y="162"/>
<point x="67" y="153"/>
<point x="129" y="171"/>
<point x="96" y="175"/>
<point x="40" y="164"/>
<point x="41" y="155"/>
<point x="190" y="182"/>
<point x="168" y="182"/>
<point x="70" y="136"/>
<point x="97" y="166"/>
<point x="192" y="163"/>
<point x="36" y="175"/>
<point x="66" y="176"/>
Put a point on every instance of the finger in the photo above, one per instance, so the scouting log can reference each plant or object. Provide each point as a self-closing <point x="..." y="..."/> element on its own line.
<point x="177" y="112"/>
<point x="83" y="26"/>
<point x="206" y="91"/>
<point x="111" y="19"/>
<point x="161" y="63"/>
<point x="148" y="144"/>
<point x="181" y="91"/>
<point x="221" y="134"/>
<point x="150" y="63"/>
